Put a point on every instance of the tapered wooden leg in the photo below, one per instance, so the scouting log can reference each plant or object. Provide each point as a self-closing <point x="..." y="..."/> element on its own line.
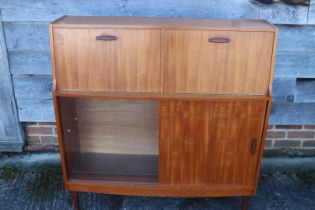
<point x="245" y="202"/>
<point x="75" y="198"/>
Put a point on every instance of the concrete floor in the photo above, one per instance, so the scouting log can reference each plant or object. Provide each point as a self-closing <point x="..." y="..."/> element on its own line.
<point x="35" y="182"/>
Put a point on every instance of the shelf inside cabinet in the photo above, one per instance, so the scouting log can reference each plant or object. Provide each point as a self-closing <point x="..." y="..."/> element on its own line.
<point x="116" y="167"/>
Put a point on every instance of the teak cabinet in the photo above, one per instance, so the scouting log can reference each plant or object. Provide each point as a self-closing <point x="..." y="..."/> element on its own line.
<point x="162" y="107"/>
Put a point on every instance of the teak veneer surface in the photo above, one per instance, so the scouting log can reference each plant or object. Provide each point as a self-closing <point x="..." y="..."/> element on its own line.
<point x="206" y="143"/>
<point x="194" y="65"/>
<point x="130" y="63"/>
<point x="146" y="22"/>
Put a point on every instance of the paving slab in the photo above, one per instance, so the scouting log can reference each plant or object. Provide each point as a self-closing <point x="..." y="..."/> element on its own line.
<point x="34" y="181"/>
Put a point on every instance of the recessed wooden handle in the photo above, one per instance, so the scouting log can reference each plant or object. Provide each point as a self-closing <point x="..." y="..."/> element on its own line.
<point x="219" y="40"/>
<point x="253" y="147"/>
<point x="106" y="38"/>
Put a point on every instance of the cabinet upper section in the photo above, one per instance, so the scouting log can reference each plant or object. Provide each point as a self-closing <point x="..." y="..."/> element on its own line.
<point x="155" y="55"/>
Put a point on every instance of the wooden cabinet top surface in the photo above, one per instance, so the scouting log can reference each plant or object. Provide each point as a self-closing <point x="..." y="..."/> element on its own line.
<point x="181" y="23"/>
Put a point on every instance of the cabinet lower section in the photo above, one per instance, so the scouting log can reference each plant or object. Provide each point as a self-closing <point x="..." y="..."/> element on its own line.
<point x="161" y="146"/>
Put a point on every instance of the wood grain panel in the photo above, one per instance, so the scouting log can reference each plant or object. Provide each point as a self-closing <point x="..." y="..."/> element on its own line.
<point x="208" y="143"/>
<point x="130" y="63"/>
<point x="118" y="126"/>
<point x="194" y="65"/>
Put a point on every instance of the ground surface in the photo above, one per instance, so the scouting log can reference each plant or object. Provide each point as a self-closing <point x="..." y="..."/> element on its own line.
<point x="35" y="182"/>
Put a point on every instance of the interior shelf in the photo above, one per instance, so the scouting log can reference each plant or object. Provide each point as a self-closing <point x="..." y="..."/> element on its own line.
<point x="116" y="167"/>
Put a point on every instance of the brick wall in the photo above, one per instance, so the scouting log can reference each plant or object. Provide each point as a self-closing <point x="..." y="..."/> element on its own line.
<point x="43" y="137"/>
<point x="290" y="136"/>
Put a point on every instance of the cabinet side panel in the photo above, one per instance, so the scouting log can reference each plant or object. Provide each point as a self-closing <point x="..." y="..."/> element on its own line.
<point x="209" y="143"/>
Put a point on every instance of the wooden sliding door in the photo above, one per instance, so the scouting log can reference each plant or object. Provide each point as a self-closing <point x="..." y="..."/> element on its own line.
<point x="214" y="143"/>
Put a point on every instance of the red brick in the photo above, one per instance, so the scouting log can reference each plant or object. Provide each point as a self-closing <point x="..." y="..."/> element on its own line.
<point x="39" y="130"/>
<point x="49" y="139"/>
<point x="287" y="143"/>
<point x="268" y="143"/>
<point x="309" y="143"/>
<point x="309" y="127"/>
<point x="289" y="126"/>
<point x="33" y="139"/>
<point x="275" y="134"/>
<point x="301" y="134"/>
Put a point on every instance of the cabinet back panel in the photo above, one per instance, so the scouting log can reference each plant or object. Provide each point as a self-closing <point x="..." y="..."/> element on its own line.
<point x="118" y="126"/>
<point x="130" y="63"/>
<point x="195" y="65"/>
<point x="208" y="143"/>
